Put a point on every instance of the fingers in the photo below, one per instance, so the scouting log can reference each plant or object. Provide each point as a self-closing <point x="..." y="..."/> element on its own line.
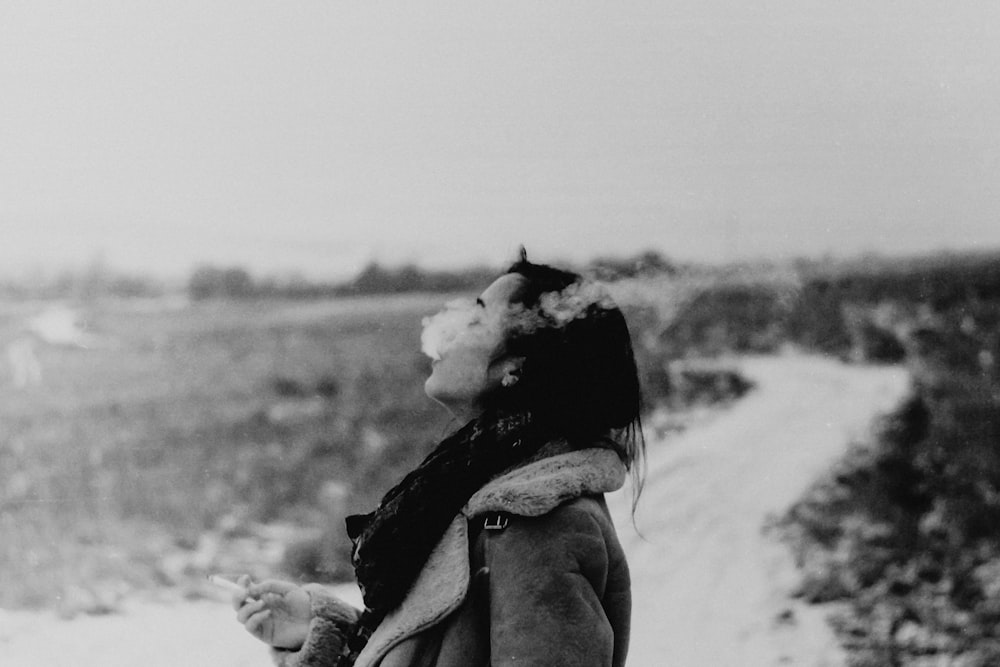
<point x="248" y="609"/>
<point x="270" y="586"/>
<point x="259" y="625"/>
<point x="239" y="597"/>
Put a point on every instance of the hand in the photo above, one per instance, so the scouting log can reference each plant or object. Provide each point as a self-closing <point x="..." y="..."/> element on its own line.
<point x="276" y="612"/>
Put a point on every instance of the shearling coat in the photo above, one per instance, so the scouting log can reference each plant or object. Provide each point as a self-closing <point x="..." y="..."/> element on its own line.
<point x="551" y="588"/>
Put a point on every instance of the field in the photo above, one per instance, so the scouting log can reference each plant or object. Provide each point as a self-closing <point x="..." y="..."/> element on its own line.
<point x="234" y="435"/>
<point x="708" y="586"/>
<point x="228" y="436"/>
<point x="194" y="438"/>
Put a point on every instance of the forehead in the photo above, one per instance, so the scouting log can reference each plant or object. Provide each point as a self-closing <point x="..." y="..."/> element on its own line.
<point x="503" y="290"/>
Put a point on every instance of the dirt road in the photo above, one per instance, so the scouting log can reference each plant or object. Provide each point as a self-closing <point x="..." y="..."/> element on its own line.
<point x="709" y="587"/>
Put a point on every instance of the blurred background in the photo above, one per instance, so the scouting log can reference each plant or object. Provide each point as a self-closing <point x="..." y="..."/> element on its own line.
<point x="223" y="222"/>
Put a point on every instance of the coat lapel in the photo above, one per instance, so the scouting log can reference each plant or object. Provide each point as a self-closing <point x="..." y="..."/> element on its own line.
<point x="438" y="590"/>
<point x="532" y="490"/>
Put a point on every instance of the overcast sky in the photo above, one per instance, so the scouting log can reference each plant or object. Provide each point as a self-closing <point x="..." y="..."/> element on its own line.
<point x="315" y="135"/>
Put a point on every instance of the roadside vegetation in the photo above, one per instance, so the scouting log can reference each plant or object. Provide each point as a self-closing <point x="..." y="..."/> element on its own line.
<point x="902" y="535"/>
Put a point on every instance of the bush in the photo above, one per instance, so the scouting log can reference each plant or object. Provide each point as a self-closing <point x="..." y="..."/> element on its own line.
<point x="904" y="529"/>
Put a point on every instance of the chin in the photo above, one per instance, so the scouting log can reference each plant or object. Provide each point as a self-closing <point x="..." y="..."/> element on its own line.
<point x="429" y="387"/>
<point x="436" y="391"/>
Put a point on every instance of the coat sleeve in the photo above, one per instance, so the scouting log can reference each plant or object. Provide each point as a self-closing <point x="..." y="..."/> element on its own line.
<point x="547" y="577"/>
<point x="332" y="623"/>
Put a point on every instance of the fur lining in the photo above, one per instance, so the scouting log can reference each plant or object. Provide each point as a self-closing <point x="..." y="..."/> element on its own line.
<point x="540" y="487"/>
<point x="332" y="622"/>
<point x="439" y="590"/>
<point x="531" y="490"/>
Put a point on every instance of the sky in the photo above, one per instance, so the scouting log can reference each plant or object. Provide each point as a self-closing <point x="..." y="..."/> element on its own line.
<point x="313" y="136"/>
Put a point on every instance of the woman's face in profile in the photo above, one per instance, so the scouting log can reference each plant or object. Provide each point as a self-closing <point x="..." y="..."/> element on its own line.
<point x="467" y="349"/>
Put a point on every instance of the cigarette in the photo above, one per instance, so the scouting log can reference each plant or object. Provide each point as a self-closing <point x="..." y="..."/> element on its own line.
<point x="222" y="582"/>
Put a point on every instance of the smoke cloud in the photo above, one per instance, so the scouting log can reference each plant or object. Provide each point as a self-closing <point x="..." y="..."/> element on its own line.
<point x="463" y="322"/>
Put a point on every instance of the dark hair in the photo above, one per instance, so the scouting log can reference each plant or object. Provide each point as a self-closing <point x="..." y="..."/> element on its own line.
<point x="581" y="378"/>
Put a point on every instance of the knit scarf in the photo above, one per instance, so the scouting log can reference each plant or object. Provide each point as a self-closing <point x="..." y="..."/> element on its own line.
<point x="392" y="544"/>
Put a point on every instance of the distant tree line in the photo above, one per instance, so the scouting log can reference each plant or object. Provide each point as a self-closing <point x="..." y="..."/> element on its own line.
<point x="210" y="281"/>
<point x="940" y="279"/>
<point x="213" y="282"/>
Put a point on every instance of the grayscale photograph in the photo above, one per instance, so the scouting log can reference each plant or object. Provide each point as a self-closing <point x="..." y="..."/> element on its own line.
<point x="462" y="334"/>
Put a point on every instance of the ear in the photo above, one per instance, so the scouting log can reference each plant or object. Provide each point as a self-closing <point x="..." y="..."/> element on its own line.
<point x="508" y="370"/>
<point x="512" y="366"/>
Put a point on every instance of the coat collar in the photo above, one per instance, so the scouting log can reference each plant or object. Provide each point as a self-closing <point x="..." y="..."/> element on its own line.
<point x="541" y="486"/>
<point x="531" y="490"/>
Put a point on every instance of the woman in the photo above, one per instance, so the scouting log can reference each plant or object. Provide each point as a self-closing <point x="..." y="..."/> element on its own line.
<point x="498" y="549"/>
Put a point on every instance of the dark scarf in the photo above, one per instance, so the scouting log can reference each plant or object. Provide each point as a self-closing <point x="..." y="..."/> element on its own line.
<point x="393" y="543"/>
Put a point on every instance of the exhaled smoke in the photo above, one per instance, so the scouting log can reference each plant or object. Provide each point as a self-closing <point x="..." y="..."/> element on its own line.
<point x="560" y="308"/>
<point x="457" y="321"/>
<point x="464" y="322"/>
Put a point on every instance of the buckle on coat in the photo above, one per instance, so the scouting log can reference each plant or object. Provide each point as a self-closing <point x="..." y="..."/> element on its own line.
<point x="496" y="521"/>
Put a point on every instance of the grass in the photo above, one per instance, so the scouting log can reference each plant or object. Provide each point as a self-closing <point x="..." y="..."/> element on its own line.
<point x="225" y="436"/>
<point x="234" y="436"/>
<point x="182" y="423"/>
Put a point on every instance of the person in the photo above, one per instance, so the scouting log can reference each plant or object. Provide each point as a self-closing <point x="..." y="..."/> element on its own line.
<point x="498" y="549"/>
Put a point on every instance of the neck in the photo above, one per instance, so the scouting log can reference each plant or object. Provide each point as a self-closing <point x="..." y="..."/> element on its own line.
<point x="463" y="412"/>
